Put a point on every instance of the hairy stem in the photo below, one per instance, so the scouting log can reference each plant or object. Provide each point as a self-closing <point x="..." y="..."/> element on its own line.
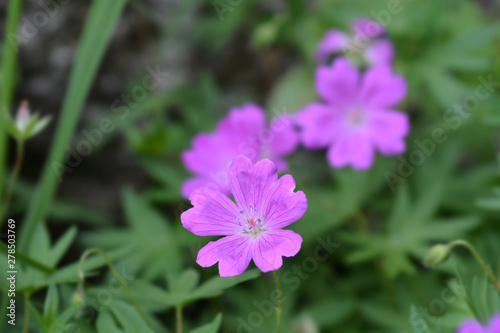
<point x="178" y="318"/>
<point x="280" y="305"/>
<point x="478" y="257"/>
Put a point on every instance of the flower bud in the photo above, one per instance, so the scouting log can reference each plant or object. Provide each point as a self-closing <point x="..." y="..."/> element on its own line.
<point x="437" y="254"/>
<point x="78" y="298"/>
<point x="25" y="125"/>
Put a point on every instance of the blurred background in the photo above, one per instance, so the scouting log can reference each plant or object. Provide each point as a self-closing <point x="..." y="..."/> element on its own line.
<point x="208" y="56"/>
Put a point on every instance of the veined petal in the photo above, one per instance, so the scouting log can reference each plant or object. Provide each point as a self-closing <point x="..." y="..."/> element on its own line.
<point x="281" y="205"/>
<point x="250" y="182"/>
<point x="213" y="214"/>
<point x="338" y="84"/>
<point x="232" y="252"/>
<point x="269" y="248"/>
<point x="381" y="89"/>
<point x="355" y="149"/>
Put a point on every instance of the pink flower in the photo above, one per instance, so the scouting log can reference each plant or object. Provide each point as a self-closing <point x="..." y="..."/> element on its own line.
<point x="357" y="116"/>
<point x="242" y="131"/>
<point x="472" y="326"/>
<point x="252" y="226"/>
<point x="364" y="41"/>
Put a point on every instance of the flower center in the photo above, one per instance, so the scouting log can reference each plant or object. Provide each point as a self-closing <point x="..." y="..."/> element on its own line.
<point x="356" y="118"/>
<point x="251" y="221"/>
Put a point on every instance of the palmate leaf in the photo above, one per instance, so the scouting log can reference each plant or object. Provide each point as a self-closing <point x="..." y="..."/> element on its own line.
<point x="183" y="289"/>
<point x="482" y="297"/>
<point x="157" y="250"/>
<point x="55" y="322"/>
<point x="409" y="230"/>
<point x="412" y="225"/>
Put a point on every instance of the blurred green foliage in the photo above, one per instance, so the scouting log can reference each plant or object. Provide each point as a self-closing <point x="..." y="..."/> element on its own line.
<point x="373" y="280"/>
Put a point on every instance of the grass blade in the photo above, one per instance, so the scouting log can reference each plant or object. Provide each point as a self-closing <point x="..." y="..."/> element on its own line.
<point x="101" y="22"/>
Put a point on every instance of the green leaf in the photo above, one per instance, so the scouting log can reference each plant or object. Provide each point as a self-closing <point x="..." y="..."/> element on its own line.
<point x="51" y="307"/>
<point x="158" y="252"/>
<point x="128" y="318"/>
<point x="106" y="323"/>
<point x="213" y="327"/>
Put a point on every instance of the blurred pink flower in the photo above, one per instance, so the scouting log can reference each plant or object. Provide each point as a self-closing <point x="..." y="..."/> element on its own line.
<point x="365" y="40"/>
<point x="357" y="116"/>
<point x="242" y="131"/>
<point x="252" y="226"/>
<point x="472" y="326"/>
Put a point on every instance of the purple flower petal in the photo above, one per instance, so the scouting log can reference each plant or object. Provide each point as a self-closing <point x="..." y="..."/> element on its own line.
<point x="205" y="155"/>
<point x="213" y="214"/>
<point x="319" y="125"/>
<point x="387" y="131"/>
<point x="232" y="252"/>
<point x="334" y="41"/>
<point x="338" y="84"/>
<point x="250" y="182"/>
<point x="240" y="131"/>
<point x="354" y="149"/>
<point x="252" y="226"/>
<point x="192" y="184"/>
<point x="367" y="29"/>
<point x="243" y="132"/>
<point x="381" y="89"/>
<point x="284" y="139"/>
<point x="494" y="326"/>
<point x="380" y="52"/>
<point x="282" y="206"/>
<point x="471" y="326"/>
<point x="271" y="246"/>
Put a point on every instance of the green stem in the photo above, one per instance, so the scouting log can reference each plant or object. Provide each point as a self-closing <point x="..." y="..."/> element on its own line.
<point x="8" y="77"/>
<point x="476" y="254"/>
<point x="115" y="273"/>
<point x="178" y="318"/>
<point x="26" y="325"/>
<point x="13" y="178"/>
<point x="280" y="305"/>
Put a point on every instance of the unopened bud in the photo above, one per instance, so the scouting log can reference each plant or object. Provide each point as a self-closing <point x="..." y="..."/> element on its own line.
<point x="436" y="255"/>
